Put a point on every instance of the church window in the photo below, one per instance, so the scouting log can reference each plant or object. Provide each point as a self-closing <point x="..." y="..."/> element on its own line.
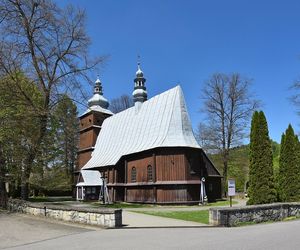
<point x="149" y="173"/>
<point x="133" y="174"/>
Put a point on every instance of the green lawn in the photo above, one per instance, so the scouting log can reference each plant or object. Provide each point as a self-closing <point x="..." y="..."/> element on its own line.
<point x="139" y="205"/>
<point x="200" y="216"/>
<point x="50" y="199"/>
<point x="58" y="200"/>
<point x="221" y="203"/>
<point x="120" y="205"/>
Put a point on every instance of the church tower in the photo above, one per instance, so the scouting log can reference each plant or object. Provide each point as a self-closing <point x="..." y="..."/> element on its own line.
<point x="139" y="93"/>
<point x="90" y="125"/>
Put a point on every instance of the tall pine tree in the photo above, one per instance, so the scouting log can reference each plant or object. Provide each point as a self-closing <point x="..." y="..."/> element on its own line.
<point x="261" y="179"/>
<point x="289" y="167"/>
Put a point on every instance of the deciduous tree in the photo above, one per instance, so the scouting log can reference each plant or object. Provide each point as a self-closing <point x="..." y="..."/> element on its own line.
<point x="121" y="103"/>
<point x="17" y="125"/>
<point x="50" y="46"/>
<point x="228" y="104"/>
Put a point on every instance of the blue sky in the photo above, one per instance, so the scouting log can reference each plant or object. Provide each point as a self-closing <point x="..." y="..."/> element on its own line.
<point x="186" y="41"/>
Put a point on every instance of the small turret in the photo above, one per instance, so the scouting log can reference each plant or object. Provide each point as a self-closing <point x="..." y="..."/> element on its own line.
<point x="140" y="93"/>
<point x="98" y="99"/>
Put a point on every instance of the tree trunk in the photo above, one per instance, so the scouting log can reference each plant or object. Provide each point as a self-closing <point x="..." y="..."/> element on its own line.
<point x="25" y="183"/>
<point x="32" y="155"/>
<point x="225" y="173"/>
<point x="3" y="194"/>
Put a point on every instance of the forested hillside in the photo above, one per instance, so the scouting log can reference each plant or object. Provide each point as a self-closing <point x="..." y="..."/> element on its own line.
<point x="239" y="164"/>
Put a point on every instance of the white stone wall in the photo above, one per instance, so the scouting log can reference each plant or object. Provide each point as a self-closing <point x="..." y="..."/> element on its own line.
<point x="110" y="218"/>
<point x="259" y="213"/>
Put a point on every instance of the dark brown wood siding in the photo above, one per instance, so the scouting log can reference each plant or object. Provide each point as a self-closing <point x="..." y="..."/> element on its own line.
<point x="89" y="128"/>
<point x="213" y="188"/>
<point x="82" y="158"/>
<point x="141" y="168"/>
<point x="176" y="177"/>
<point x="171" y="165"/>
<point x="172" y="194"/>
<point x="144" y="195"/>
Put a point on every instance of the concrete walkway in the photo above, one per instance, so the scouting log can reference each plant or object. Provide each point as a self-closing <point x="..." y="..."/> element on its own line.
<point x="138" y="220"/>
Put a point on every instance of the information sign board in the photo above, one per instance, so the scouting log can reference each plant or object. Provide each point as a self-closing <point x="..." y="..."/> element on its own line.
<point x="231" y="187"/>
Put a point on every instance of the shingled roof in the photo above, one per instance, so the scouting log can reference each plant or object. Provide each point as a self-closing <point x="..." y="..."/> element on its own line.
<point x="162" y="121"/>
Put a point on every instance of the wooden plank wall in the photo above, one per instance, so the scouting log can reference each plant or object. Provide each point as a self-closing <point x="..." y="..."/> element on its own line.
<point x="145" y="194"/>
<point x="171" y="195"/>
<point x="171" y="167"/>
<point x="83" y="158"/>
<point x="141" y="168"/>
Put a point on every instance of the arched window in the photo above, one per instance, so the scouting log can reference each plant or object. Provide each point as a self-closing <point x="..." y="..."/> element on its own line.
<point x="149" y="173"/>
<point x="133" y="174"/>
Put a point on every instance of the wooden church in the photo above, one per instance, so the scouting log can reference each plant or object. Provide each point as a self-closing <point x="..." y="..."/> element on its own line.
<point x="146" y="153"/>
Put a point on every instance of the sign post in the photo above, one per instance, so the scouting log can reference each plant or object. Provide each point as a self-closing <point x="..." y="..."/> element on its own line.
<point x="231" y="190"/>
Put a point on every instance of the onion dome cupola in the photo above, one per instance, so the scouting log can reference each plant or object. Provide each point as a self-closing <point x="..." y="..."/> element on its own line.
<point x="98" y="99"/>
<point x="140" y="93"/>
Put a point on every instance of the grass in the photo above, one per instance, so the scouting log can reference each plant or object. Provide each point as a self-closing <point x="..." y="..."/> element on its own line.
<point x="120" y="205"/>
<point x="222" y="203"/>
<point x="139" y="205"/>
<point x="291" y="218"/>
<point x="196" y="216"/>
<point x="60" y="200"/>
<point x="50" y="199"/>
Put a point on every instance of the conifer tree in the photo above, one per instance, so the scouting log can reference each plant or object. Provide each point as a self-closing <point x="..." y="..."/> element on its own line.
<point x="261" y="179"/>
<point x="289" y="167"/>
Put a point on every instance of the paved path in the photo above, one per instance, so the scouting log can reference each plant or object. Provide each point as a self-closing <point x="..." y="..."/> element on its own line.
<point x="138" y="220"/>
<point x="35" y="234"/>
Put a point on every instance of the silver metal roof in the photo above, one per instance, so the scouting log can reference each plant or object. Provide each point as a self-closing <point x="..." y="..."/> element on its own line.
<point x="90" y="178"/>
<point x="162" y="121"/>
<point x="97" y="108"/>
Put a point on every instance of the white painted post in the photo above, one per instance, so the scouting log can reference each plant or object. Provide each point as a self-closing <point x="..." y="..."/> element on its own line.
<point x="203" y="197"/>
